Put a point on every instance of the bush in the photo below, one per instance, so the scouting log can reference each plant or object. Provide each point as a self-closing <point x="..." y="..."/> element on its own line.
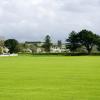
<point x="60" y="54"/>
<point x="0" y="50"/>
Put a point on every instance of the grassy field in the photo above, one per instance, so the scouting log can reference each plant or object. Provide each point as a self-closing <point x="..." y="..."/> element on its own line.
<point x="49" y="78"/>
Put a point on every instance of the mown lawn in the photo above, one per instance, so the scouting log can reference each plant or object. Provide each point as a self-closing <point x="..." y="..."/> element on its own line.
<point x="49" y="78"/>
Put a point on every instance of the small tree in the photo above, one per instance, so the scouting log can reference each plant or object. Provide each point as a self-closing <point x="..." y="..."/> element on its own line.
<point x="59" y="43"/>
<point x="11" y="45"/>
<point x="98" y="42"/>
<point x="1" y="43"/>
<point x="47" y="43"/>
<point x="20" y="47"/>
<point x="1" y="51"/>
<point x="33" y="48"/>
<point x="1" y="46"/>
<point x="72" y="42"/>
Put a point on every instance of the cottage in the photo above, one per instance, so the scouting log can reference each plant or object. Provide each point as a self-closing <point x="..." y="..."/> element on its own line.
<point x="53" y="49"/>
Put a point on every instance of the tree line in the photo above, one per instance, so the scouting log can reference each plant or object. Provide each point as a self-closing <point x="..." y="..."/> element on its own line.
<point x="83" y="38"/>
<point x="75" y="40"/>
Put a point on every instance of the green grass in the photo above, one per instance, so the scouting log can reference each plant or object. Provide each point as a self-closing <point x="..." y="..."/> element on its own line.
<point x="49" y="78"/>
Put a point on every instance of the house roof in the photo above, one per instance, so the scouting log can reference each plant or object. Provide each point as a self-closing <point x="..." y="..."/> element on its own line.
<point x="34" y="42"/>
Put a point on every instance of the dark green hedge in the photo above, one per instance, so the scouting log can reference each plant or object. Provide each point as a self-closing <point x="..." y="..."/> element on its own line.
<point x="68" y="54"/>
<point x="60" y="54"/>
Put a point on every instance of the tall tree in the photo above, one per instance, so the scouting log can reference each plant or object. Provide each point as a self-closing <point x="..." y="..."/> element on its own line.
<point x="1" y="43"/>
<point x="47" y="43"/>
<point x="33" y="48"/>
<point x="1" y="51"/>
<point x="59" y="43"/>
<point x="72" y="41"/>
<point x="11" y="45"/>
<point x="98" y="42"/>
<point x="1" y="46"/>
<point x="87" y="39"/>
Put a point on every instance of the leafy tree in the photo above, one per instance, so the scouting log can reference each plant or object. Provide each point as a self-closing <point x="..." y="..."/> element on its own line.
<point x="1" y="43"/>
<point x="98" y="42"/>
<point x="59" y="43"/>
<point x="1" y="50"/>
<point x="20" y="47"/>
<point x="33" y="48"/>
<point x="47" y="43"/>
<point x="72" y="42"/>
<point x="11" y="45"/>
<point x="87" y="39"/>
<point x="1" y="46"/>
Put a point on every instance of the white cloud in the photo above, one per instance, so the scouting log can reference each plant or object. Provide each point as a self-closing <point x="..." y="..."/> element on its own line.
<point x="33" y="19"/>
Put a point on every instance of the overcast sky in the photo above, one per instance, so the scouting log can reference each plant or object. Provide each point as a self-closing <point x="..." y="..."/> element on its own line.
<point x="33" y="19"/>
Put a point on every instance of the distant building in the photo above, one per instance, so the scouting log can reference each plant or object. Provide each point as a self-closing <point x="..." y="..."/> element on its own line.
<point x="38" y="45"/>
<point x="54" y="48"/>
<point x="4" y="50"/>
